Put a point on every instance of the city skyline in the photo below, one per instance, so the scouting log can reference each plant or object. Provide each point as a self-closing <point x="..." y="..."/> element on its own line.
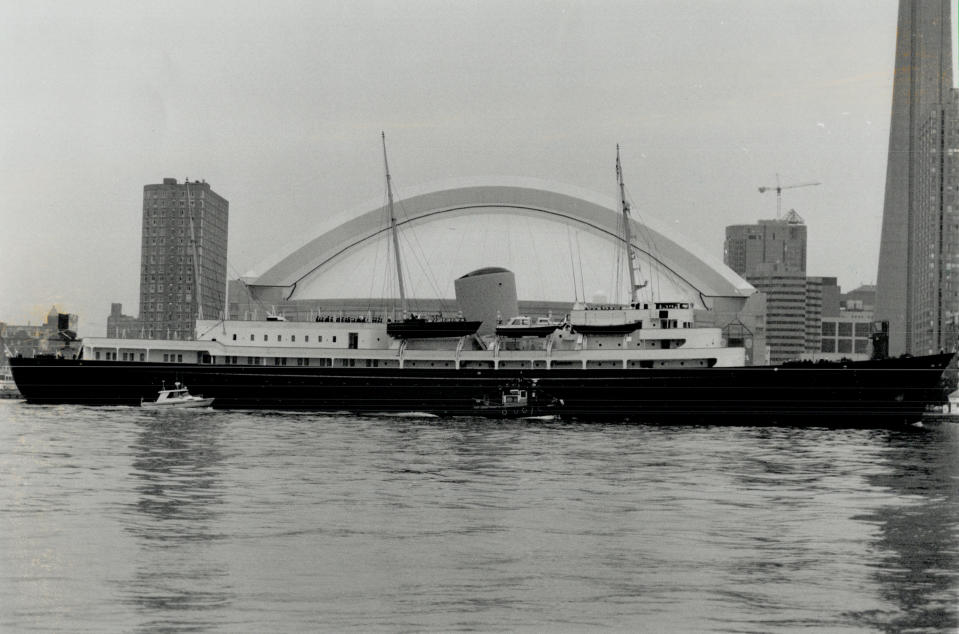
<point x="288" y="105"/>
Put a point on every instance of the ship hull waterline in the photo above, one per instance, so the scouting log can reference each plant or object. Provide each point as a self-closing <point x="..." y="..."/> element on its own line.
<point x="859" y="394"/>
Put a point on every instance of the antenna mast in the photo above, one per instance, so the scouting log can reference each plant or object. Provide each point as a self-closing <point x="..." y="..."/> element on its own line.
<point x="396" y="241"/>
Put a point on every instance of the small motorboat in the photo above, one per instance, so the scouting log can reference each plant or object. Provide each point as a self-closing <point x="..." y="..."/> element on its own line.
<point x="176" y="398"/>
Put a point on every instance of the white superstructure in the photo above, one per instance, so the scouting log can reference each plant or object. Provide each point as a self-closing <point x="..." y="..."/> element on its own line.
<point x="666" y="338"/>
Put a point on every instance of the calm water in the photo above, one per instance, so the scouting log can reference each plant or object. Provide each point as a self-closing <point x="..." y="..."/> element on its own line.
<point x="115" y="519"/>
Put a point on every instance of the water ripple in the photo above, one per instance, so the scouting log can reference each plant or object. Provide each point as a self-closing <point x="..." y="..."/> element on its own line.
<point x="125" y="520"/>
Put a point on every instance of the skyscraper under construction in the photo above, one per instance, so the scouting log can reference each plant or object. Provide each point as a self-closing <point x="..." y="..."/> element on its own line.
<point x="918" y="279"/>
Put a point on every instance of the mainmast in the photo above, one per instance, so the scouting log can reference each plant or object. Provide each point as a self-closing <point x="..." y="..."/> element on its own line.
<point x="196" y="255"/>
<point x="396" y="241"/>
<point x="631" y="263"/>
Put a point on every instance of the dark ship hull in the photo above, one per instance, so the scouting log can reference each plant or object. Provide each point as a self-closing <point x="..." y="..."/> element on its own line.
<point x="862" y="394"/>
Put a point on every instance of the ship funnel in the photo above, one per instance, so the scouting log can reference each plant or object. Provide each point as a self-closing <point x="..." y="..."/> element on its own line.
<point x="485" y="295"/>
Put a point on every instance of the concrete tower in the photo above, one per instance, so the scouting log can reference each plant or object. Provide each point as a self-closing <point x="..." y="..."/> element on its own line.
<point x="916" y="244"/>
<point x="183" y="258"/>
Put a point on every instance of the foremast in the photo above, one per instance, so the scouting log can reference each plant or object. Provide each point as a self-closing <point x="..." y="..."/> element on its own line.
<point x="396" y="240"/>
<point x="631" y="260"/>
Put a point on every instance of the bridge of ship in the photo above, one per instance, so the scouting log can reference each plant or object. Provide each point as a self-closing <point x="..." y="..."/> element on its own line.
<point x="707" y="282"/>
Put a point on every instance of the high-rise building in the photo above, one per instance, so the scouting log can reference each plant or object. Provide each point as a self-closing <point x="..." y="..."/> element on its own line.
<point x="120" y="326"/>
<point x="779" y="242"/>
<point x="917" y="289"/>
<point x="771" y="255"/>
<point x="786" y="318"/>
<point x="183" y="258"/>
<point x="815" y="288"/>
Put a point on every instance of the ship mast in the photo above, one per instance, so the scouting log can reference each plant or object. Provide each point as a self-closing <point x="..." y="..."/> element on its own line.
<point x="631" y="263"/>
<point x="196" y="255"/>
<point x="396" y="241"/>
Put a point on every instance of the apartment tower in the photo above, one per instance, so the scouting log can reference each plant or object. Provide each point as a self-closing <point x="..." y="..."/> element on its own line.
<point x="183" y="258"/>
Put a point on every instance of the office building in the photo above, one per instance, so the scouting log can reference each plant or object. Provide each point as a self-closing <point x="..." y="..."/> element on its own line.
<point x="778" y="242"/>
<point x="785" y="322"/>
<point x="771" y="255"/>
<point x="183" y="258"/>
<point x="917" y="289"/>
<point x="120" y="326"/>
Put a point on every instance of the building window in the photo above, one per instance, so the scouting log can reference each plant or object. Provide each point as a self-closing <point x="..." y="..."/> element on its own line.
<point x="828" y="345"/>
<point x="863" y="329"/>
<point x="266" y="337"/>
<point x="844" y="345"/>
<point x="306" y="339"/>
<point x="179" y="358"/>
<point x="251" y="336"/>
<point x="334" y="338"/>
<point x="845" y="329"/>
<point x="234" y="336"/>
<point x="279" y="337"/>
<point x="293" y="338"/>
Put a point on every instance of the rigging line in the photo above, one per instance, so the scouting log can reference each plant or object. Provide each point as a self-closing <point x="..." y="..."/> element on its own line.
<point x="420" y="254"/>
<point x="377" y="245"/>
<point x="621" y="253"/>
<point x="246" y="287"/>
<point x="532" y="247"/>
<point x="390" y="280"/>
<point x="652" y="252"/>
<point x="376" y="260"/>
<point x="419" y="257"/>
<point x="572" y="265"/>
<point x="509" y="245"/>
<point x="579" y="255"/>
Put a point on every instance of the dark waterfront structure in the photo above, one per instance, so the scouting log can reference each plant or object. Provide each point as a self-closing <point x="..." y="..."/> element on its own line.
<point x="918" y="278"/>
<point x="183" y="263"/>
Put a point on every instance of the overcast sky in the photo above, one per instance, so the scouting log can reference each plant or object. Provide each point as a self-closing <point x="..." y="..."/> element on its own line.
<point x="279" y="106"/>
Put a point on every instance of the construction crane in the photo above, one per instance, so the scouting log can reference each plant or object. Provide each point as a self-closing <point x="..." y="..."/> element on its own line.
<point x="779" y="192"/>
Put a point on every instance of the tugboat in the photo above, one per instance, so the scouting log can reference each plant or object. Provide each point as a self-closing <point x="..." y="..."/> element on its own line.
<point x="518" y="403"/>
<point x="177" y="398"/>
